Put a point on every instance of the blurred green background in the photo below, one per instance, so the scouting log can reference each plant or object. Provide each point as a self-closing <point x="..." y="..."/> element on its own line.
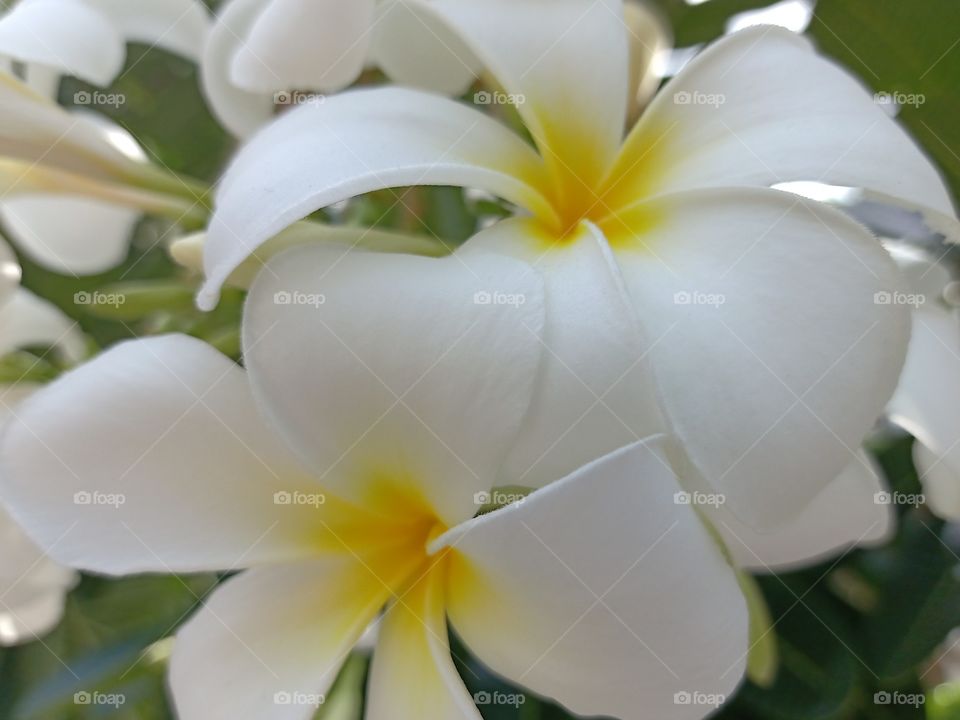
<point x="866" y="623"/>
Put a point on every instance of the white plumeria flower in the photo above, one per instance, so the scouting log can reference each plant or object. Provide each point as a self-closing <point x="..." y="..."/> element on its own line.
<point x="927" y="401"/>
<point x="64" y="231"/>
<point x="683" y="294"/>
<point x="600" y="591"/>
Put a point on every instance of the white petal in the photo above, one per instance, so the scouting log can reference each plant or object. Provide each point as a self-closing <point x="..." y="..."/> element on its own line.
<point x="174" y="472"/>
<point x="390" y="367"/>
<point x="10" y="272"/>
<point x="574" y="108"/>
<point x="304" y="45"/>
<point x="927" y="403"/>
<point x="269" y="643"/>
<point x="602" y="592"/>
<point x="63" y="34"/>
<point x="416" y="49"/>
<point x="239" y="111"/>
<point x="26" y="320"/>
<point x="35" y="129"/>
<point x="651" y="40"/>
<point x="69" y="234"/>
<point x="354" y="143"/>
<point x="32" y="587"/>
<point x="761" y="107"/>
<point x="413" y="675"/>
<point x="177" y="25"/>
<point x="595" y="390"/>
<point x="188" y="250"/>
<point x="777" y="353"/>
<point x="847" y="513"/>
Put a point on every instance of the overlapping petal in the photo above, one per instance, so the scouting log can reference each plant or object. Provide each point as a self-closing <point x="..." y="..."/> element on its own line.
<point x="760" y="107"/>
<point x="189" y="482"/>
<point x="849" y="512"/>
<point x="177" y="25"/>
<point x="413" y="675"/>
<point x="238" y="110"/>
<point x="269" y="643"/>
<point x="69" y="36"/>
<point x="536" y="49"/>
<point x="612" y="613"/>
<point x="304" y="44"/>
<point x="393" y="370"/>
<point x="595" y="390"/>
<point x="354" y="143"/>
<point x="777" y="352"/>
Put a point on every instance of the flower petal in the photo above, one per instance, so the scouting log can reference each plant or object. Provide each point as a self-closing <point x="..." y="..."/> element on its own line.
<point x="760" y="107"/>
<point x="26" y="319"/>
<point x="188" y="251"/>
<point x="777" y="352"/>
<point x="354" y="143"/>
<point x="651" y="39"/>
<point x="70" y="36"/>
<point x="69" y="234"/>
<point x="32" y="587"/>
<point x="847" y="513"/>
<point x="413" y="675"/>
<point x="602" y="592"/>
<point x="304" y="45"/>
<point x="10" y="272"/>
<point x="322" y="329"/>
<point x="180" y="26"/>
<point x="269" y="643"/>
<point x="926" y="403"/>
<point x="239" y="111"/>
<point x="34" y="128"/>
<point x="595" y="391"/>
<point x="416" y="49"/>
<point x="174" y="472"/>
<point x="575" y="109"/>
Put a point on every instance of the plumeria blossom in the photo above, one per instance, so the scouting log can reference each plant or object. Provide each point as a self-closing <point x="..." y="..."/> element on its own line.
<point x="683" y="294"/>
<point x="600" y="590"/>
<point x="927" y="400"/>
<point x="67" y="230"/>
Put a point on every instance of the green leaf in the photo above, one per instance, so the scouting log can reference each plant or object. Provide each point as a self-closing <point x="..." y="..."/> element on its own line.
<point x="904" y="47"/>
<point x="919" y="598"/>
